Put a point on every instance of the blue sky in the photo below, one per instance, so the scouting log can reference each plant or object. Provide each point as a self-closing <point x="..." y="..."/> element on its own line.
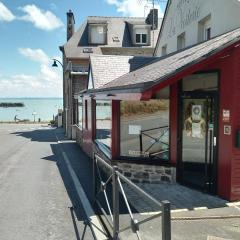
<point x="32" y="30"/>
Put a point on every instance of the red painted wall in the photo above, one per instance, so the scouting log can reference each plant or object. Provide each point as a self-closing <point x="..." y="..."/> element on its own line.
<point x="229" y="99"/>
<point x="235" y="168"/>
<point x="173" y="123"/>
<point x="88" y="125"/>
<point x="115" y="143"/>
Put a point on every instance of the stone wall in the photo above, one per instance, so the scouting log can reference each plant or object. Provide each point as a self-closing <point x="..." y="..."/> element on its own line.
<point x="142" y="173"/>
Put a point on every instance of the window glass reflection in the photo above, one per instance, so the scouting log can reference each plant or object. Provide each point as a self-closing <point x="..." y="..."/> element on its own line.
<point x="103" y="122"/>
<point x="145" y="129"/>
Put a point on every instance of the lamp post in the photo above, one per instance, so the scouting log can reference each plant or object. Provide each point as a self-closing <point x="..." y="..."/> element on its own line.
<point x="55" y="64"/>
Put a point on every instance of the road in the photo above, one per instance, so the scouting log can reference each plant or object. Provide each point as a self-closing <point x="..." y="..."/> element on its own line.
<point x="34" y="203"/>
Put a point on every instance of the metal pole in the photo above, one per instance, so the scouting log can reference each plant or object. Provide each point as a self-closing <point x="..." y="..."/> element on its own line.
<point x="115" y="189"/>
<point x="166" y="221"/>
<point x="94" y="177"/>
<point x="140" y="139"/>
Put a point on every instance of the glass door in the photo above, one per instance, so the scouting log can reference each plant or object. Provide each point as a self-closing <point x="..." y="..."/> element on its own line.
<point x="198" y="141"/>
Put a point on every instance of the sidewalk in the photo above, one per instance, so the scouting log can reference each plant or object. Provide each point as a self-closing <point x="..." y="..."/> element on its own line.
<point x="213" y="219"/>
<point x="76" y="172"/>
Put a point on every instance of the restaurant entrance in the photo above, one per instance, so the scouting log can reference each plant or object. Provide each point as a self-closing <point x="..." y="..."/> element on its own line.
<point x="198" y="134"/>
<point x="198" y="131"/>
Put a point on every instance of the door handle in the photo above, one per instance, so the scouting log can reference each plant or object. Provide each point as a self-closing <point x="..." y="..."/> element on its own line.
<point x="214" y="141"/>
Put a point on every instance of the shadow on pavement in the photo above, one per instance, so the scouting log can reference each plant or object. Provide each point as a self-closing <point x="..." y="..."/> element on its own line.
<point x="43" y="135"/>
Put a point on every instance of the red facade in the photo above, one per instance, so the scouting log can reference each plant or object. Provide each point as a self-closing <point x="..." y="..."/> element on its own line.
<point x="227" y="63"/>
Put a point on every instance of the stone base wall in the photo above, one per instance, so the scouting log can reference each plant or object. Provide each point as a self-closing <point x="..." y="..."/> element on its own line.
<point x="142" y="173"/>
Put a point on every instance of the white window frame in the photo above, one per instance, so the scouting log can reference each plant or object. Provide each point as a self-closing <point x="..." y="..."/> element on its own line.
<point x="141" y="38"/>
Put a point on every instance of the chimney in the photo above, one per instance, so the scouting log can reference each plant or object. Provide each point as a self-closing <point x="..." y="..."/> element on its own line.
<point x="70" y="24"/>
<point x="152" y="18"/>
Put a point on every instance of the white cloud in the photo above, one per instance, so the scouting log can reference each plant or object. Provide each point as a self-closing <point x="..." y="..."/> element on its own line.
<point x="37" y="55"/>
<point x="47" y="82"/>
<point x="5" y="13"/>
<point x="133" y="8"/>
<point x="41" y="19"/>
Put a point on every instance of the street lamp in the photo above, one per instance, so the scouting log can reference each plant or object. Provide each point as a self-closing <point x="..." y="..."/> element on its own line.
<point x="55" y="63"/>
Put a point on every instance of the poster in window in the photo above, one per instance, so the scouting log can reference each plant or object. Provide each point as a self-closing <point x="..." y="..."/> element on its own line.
<point x="197" y="130"/>
<point x="196" y="112"/>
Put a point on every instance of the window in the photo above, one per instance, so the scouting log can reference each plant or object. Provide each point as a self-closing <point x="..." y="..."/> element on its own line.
<point x="141" y="38"/>
<point x="164" y="50"/>
<point x="200" y="82"/>
<point x="204" y="29"/>
<point x="144" y="38"/>
<point x="138" y="38"/>
<point x="97" y="34"/>
<point x="80" y="112"/>
<point x="208" y="33"/>
<point x="181" y="41"/>
<point x="145" y="129"/>
<point x="103" y="123"/>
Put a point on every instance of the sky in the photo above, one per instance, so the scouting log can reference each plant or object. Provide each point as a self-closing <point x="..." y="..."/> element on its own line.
<point x="31" y="32"/>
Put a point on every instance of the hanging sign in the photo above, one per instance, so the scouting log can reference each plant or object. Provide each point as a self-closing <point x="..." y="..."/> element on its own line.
<point x="226" y="115"/>
<point x="196" y="112"/>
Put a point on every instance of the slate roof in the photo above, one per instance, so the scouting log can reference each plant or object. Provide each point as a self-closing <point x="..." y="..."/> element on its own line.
<point x="105" y="68"/>
<point x="117" y="27"/>
<point x="165" y="67"/>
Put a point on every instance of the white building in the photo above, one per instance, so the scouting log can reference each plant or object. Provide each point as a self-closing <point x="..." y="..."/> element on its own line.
<point x="188" y="22"/>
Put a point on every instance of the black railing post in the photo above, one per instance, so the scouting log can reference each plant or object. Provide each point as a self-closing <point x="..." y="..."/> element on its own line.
<point x="94" y="177"/>
<point x="115" y="190"/>
<point x="140" y="140"/>
<point x="166" y="220"/>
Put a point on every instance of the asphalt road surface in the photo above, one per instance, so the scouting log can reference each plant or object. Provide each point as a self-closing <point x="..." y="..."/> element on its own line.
<point x="34" y="203"/>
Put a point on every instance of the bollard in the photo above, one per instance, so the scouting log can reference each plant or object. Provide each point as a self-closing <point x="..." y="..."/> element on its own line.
<point x="166" y="221"/>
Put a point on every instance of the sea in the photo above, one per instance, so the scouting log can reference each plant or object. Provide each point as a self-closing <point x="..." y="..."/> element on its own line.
<point x="42" y="108"/>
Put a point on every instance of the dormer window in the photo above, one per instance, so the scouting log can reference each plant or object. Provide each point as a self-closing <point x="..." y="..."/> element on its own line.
<point x="97" y="34"/>
<point x="141" y="38"/>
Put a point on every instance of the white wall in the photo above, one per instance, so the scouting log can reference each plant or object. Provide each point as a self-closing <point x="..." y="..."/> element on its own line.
<point x="184" y="16"/>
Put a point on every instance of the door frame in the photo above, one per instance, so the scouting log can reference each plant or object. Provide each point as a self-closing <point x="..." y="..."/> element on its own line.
<point x="196" y="95"/>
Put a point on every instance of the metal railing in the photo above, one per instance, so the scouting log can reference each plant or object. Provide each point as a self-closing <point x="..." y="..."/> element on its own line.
<point x="155" y="140"/>
<point x="110" y="210"/>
